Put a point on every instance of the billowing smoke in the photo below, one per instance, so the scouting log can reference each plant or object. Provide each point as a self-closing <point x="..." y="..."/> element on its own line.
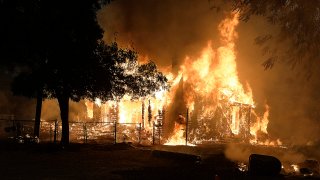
<point x="167" y="31"/>
<point x="288" y="157"/>
<point x="292" y="98"/>
<point x="23" y="108"/>
<point x="51" y="111"/>
<point x="16" y="106"/>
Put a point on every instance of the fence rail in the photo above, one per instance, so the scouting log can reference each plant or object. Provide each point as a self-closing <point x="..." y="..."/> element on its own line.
<point x="80" y="132"/>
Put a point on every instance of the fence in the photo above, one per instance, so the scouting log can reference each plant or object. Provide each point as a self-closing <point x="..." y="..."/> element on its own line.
<point x="10" y="128"/>
<point x="79" y="132"/>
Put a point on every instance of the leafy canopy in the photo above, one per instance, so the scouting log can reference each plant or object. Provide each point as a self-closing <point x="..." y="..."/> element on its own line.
<point x="299" y="22"/>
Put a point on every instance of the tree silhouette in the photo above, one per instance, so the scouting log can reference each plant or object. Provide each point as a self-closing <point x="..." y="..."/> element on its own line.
<point x="299" y="34"/>
<point x="123" y="74"/>
<point x="58" y="44"/>
<point x="49" y="38"/>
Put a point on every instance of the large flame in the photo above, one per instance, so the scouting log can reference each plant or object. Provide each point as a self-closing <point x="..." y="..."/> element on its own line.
<point x="216" y="100"/>
<point x="213" y="77"/>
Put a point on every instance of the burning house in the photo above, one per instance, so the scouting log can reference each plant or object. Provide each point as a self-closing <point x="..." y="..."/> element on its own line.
<point x="206" y="102"/>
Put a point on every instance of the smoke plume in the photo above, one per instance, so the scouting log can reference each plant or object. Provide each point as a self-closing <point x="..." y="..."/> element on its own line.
<point x="165" y="31"/>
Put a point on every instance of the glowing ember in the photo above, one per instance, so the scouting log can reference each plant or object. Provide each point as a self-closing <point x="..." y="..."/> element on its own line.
<point x="295" y="168"/>
<point x="242" y="167"/>
<point x="97" y="102"/>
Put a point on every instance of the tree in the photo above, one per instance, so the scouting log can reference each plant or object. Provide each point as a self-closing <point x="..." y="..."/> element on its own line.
<point x="299" y="30"/>
<point x="49" y="39"/>
<point x="123" y="73"/>
<point x="106" y="77"/>
<point x="56" y="41"/>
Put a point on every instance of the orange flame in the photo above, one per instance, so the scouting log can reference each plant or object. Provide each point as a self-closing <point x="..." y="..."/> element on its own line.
<point x="89" y="106"/>
<point x="212" y="91"/>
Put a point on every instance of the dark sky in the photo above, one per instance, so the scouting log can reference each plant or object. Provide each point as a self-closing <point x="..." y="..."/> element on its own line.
<point x="168" y="30"/>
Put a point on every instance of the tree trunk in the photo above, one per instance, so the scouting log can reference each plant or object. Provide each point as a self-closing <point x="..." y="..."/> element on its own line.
<point x="38" y="114"/>
<point x="64" y="113"/>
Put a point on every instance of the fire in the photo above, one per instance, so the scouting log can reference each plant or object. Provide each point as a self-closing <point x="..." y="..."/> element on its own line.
<point x="213" y="77"/>
<point x="89" y="106"/>
<point x="177" y="138"/>
<point x="261" y="126"/>
<point x="219" y="106"/>
<point x="261" y="123"/>
<point x="213" y="84"/>
<point x="97" y="101"/>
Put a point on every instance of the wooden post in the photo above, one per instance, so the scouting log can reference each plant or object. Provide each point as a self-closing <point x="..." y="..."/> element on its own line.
<point x="139" y="133"/>
<point x="55" y="131"/>
<point x="50" y="133"/>
<point x="187" y="121"/>
<point x="115" y="132"/>
<point x="153" y="129"/>
<point x="142" y="114"/>
<point x="249" y="122"/>
<point x="85" y="133"/>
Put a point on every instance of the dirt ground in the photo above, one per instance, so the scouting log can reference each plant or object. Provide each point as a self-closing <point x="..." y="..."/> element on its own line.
<point x="93" y="161"/>
<point x="121" y="161"/>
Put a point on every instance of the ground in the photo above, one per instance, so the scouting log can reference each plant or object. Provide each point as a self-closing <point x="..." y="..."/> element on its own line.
<point x="109" y="161"/>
